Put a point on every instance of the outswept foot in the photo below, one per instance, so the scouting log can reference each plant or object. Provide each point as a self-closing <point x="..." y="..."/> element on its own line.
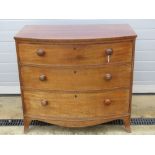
<point x="27" y="122"/>
<point x="127" y="121"/>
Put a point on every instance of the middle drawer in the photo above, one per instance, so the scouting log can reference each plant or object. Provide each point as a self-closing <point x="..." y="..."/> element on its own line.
<point x="76" y="79"/>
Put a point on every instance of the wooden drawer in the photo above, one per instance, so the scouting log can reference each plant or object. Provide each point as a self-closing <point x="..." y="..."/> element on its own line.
<point x="82" y="54"/>
<point x="77" y="78"/>
<point x="76" y="105"/>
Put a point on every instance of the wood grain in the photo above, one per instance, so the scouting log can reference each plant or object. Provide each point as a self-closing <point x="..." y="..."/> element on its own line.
<point x="75" y="32"/>
<point x="85" y="54"/>
<point x="74" y="123"/>
<point x="83" y="105"/>
<point x="76" y="79"/>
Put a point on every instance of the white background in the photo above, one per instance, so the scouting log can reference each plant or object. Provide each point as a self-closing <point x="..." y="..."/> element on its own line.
<point x="80" y="9"/>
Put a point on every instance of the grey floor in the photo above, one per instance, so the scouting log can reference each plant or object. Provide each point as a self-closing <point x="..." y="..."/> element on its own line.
<point x="142" y="106"/>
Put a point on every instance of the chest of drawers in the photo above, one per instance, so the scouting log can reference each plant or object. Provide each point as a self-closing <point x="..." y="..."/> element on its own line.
<point x="76" y="76"/>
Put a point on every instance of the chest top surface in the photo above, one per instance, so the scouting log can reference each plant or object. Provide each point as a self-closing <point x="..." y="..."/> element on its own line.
<point x="75" y="32"/>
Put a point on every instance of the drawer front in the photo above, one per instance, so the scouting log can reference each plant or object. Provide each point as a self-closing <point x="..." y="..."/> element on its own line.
<point x="75" y="54"/>
<point x="96" y="78"/>
<point x="76" y="105"/>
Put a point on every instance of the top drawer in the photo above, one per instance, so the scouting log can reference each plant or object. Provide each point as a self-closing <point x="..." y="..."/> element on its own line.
<point x="81" y="54"/>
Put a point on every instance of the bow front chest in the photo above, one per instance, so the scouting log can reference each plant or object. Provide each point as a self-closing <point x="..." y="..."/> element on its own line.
<point x="76" y="75"/>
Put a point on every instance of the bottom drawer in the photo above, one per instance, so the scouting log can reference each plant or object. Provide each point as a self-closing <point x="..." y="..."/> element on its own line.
<point x="80" y="105"/>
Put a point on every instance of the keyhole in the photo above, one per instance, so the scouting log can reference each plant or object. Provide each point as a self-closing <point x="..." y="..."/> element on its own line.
<point x="75" y="72"/>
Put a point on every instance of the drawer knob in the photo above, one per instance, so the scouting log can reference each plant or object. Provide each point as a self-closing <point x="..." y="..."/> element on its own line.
<point x="44" y="102"/>
<point x="40" y="52"/>
<point x="107" y="101"/>
<point x="109" y="51"/>
<point x="108" y="76"/>
<point x="42" y="77"/>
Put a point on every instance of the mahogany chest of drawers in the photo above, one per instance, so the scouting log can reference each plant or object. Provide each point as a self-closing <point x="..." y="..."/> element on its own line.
<point x="76" y="76"/>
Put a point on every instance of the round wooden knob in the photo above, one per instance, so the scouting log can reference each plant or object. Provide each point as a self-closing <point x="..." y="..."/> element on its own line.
<point x="108" y="51"/>
<point x="108" y="76"/>
<point x="44" y="102"/>
<point x="107" y="101"/>
<point x="40" y="52"/>
<point x="42" y="77"/>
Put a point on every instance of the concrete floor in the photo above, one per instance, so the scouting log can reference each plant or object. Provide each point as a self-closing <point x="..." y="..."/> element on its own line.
<point x="142" y="106"/>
